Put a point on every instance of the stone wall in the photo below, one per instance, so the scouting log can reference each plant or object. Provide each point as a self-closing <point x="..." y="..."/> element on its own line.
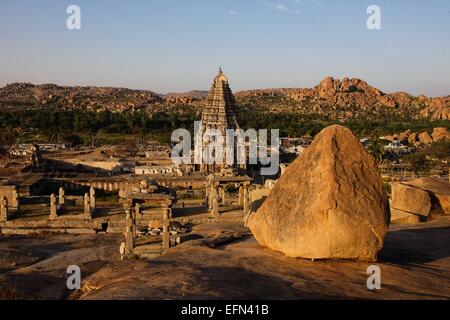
<point x="11" y="194"/>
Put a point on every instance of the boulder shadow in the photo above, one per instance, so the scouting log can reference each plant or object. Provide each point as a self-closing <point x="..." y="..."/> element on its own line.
<point x="242" y="284"/>
<point x="416" y="246"/>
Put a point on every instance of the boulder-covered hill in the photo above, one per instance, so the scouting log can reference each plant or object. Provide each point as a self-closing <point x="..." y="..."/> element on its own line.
<point x="340" y="99"/>
<point x="347" y="98"/>
<point x="89" y="97"/>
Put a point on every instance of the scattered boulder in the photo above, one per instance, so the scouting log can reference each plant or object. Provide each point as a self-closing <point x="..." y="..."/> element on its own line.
<point x="391" y="137"/>
<point x="329" y="204"/>
<point x="403" y="137"/>
<point x="410" y="199"/>
<point x="439" y="191"/>
<point x="402" y="217"/>
<point x="425" y="138"/>
<point x="413" y="138"/>
<point x="440" y="134"/>
<point x="436" y="112"/>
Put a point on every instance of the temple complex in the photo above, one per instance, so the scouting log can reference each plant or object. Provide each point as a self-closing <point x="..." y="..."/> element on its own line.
<point x="220" y="113"/>
<point x="145" y="196"/>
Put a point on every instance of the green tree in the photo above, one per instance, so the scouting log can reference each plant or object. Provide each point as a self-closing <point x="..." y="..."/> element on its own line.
<point x="376" y="149"/>
<point x="418" y="162"/>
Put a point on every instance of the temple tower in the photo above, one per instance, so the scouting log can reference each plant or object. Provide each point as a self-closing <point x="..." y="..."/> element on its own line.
<point x="220" y="113"/>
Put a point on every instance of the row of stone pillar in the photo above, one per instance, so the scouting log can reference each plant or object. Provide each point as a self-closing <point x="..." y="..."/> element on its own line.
<point x="216" y="196"/>
<point x="107" y="186"/>
<point x="130" y="231"/>
<point x="56" y="204"/>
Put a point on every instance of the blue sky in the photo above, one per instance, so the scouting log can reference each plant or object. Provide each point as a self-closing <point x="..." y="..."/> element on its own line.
<point x="177" y="45"/>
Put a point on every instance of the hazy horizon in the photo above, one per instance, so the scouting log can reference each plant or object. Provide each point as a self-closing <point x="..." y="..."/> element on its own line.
<point x="177" y="46"/>
<point x="205" y="89"/>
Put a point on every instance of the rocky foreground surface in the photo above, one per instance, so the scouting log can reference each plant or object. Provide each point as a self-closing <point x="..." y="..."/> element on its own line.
<point x="415" y="264"/>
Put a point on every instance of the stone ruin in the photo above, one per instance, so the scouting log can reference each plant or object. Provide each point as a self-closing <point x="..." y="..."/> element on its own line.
<point x="216" y="194"/>
<point x="9" y="201"/>
<point x="61" y="202"/>
<point x="147" y="199"/>
<point x="144" y="203"/>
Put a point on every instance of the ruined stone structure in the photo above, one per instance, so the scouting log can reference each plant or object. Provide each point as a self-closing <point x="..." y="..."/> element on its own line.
<point x="53" y="207"/>
<point x="219" y="113"/>
<point x="216" y="194"/>
<point x="165" y="233"/>
<point x="87" y="206"/>
<point x="92" y="197"/>
<point x="147" y="201"/>
<point x="12" y="196"/>
<point x="61" y="196"/>
<point x="3" y="209"/>
<point x="130" y="226"/>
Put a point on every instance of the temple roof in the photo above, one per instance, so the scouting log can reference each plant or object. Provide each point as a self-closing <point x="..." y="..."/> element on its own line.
<point x="220" y="77"/>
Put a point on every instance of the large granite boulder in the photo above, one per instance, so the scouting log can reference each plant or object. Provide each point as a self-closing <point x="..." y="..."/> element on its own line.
<point x="410" y="199"/>
<point x="440" y="134"/>
<point x="329" y="204"/>
<point x="439" y="191"/>
<point x="402" y="217"/>
<point x="404" y="136"/>
<point x="425" y="138"/>
<point x="413" y="138"/>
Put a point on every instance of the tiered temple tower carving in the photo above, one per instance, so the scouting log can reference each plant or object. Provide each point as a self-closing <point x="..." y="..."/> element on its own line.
<point x="220" y="113"/>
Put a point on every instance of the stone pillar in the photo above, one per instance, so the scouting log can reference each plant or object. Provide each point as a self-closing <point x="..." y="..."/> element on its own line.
<point x="214" y="203"/>
<point x="246" y="199"/>
<point x="137" y="209"/>
<point x="165" y="232"/>
<point x="110" y="187"/>
<point x="207" y="196"/>
<point x="222" y="195"/>
<point x="53" y="207"/>
<point x="92" y="198"/>
<point x="16" y="202"/>
<point x="61" y="196"/>
<point x="133" y="217"/>
<point x="241" y="196"/>
<point x="87" y="207"/>
<point x="210" y="192"/>
<point x="3" y="209"/>
<point x="129" y="238"/>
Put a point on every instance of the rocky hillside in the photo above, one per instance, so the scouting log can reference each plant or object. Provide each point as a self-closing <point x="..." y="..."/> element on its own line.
<point x="347" y="98"/>
<point x="338" y="99"/>
<point x="114" y="99"/>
